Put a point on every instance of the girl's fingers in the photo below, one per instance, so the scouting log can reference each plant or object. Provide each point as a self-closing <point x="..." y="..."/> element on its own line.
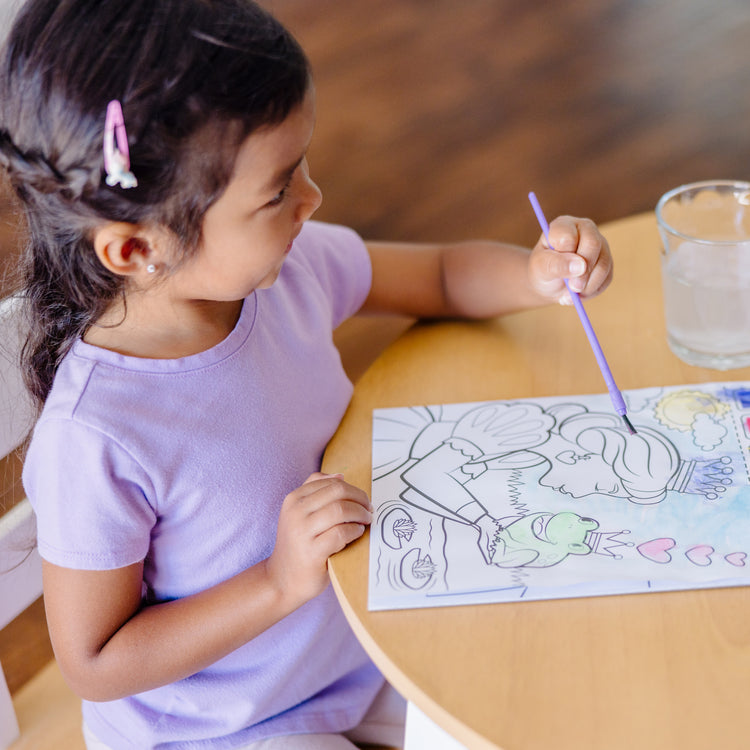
<point x="563" y="234"/>
<point x="337" y="514"/>
<point x="580" y="254"/>
<point x="335" y="539"/>
<point x="324" y="502"/>
<point x="320" y="489"/>
<point x="599" y="277"/>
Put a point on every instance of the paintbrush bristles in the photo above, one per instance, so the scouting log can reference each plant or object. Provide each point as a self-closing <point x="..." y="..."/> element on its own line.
<point x="629" y="425"/>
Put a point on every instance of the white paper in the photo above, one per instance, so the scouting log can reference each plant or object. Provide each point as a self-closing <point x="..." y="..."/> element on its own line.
<point x="552" y="497"/>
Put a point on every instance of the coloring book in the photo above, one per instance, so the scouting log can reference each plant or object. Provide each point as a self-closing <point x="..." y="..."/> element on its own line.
<point x="552" y="497"/>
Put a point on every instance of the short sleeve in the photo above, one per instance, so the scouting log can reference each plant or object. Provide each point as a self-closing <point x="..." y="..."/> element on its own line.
<point x="89" y="496"/>
<point x="338" y="258"/>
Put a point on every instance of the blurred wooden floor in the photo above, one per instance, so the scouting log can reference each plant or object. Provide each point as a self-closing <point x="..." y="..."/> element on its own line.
<point x="436" y="117"/>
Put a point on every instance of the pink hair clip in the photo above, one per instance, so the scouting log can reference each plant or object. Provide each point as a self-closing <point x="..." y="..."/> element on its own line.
<point x="116" y="152"/>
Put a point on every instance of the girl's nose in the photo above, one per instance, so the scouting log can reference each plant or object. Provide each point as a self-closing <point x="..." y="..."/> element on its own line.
<point x="310" y="196"/>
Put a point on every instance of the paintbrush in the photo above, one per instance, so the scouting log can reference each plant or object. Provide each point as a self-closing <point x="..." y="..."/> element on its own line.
<point x="616" y="397"/>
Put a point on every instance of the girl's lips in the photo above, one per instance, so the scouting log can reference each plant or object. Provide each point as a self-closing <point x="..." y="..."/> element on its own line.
<point x="291" y="242"/>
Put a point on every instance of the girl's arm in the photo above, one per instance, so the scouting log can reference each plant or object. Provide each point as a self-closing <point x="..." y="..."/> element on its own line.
<point x="485" y="279"/>
<point x="109" y="646"/>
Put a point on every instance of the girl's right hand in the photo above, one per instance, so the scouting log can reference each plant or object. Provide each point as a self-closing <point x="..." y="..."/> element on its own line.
<point x="317" y="520"/>
<point x="579" y="253"/>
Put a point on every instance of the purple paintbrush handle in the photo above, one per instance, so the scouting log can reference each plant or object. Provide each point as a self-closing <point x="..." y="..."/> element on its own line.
<point x="617" y="400"/>
<point x="616" y="397"/>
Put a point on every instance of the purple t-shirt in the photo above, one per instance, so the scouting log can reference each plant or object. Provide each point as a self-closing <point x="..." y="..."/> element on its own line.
<point x="184" y="463"/>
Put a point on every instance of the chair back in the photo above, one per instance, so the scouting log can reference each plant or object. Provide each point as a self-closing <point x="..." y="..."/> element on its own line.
<point x="20" y="565"/>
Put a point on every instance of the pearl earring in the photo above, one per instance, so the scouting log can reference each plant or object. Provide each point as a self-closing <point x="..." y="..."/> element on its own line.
<point x="151" y="268"/>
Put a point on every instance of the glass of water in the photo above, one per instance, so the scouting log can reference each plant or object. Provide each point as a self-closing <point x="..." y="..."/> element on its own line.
<point x="705" y="264"/>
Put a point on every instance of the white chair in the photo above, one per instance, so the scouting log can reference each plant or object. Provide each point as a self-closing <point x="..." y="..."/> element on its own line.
<point x="44" y="713"/>
<point x="20" y="567"/>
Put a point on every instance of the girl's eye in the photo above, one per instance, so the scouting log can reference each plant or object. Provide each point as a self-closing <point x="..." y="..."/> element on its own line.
<point x="279" y="197"/>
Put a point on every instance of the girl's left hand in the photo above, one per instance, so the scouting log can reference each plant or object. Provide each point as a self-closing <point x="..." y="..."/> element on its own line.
<point x="579" y="253"/>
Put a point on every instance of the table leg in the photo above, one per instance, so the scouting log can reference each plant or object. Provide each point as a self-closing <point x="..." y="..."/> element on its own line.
<point x="422" y="732"/>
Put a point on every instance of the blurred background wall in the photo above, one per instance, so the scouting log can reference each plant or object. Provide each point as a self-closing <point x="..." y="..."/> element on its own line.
<point x="436" y="117"/>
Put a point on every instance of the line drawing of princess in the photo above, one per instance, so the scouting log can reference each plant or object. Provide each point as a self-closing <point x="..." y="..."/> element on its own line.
<point x="640" y="467"/>
<point x="548" y="497"/>
<point x="586" y="453"/>
<point x="437" y="480"/>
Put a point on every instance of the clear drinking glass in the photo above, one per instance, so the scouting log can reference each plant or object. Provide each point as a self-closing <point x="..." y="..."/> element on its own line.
<point x="705" y="263"/>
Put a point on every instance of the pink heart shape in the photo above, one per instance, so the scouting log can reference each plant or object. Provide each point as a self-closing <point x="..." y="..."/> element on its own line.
<point x="700" y="554"/>
<point x="736" y="558"/>
<point x="656" y="549"/>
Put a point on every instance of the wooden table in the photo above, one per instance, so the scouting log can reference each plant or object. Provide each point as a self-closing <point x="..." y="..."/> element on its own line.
<point x="648" y="671"/>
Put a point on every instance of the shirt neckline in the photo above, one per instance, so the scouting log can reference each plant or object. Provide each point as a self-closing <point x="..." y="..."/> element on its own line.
<point x="225" y="348"/>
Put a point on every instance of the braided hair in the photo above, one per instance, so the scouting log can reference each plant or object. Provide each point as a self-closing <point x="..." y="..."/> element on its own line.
<point x="194" y="77"/>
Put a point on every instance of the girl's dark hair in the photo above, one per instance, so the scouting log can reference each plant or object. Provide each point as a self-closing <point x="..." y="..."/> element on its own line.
<point x="194" y="77"/>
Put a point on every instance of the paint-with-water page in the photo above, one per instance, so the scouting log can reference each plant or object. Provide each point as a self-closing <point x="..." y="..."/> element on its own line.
<point x="548" y="498"/>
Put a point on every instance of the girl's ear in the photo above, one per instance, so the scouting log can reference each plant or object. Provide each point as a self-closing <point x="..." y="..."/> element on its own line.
<point x="123" y="248"/>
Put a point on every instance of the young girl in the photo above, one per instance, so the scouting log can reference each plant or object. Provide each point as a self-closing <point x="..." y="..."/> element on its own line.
<point x="180" y="312"/>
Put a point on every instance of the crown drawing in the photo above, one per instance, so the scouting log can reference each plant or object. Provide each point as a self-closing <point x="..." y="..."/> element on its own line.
<point x="605" y="543"/>
<point x="708" y="478"/>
